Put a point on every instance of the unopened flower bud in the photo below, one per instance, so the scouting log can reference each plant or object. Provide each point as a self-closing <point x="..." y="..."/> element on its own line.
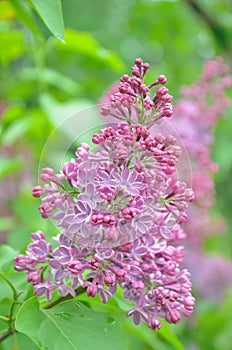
<point x="94" y="264"/>
<point x="121" y="273"/>
<point x="109" y="279"/>
<point x="75" y="267"/>
<point x="162" y="79"/>
<point x="138" y="61"/>
<point x="33" y="277"/>
<point x="92" y="291"/>
<point x="37" y="191"/>
<point x="47" y="175"/>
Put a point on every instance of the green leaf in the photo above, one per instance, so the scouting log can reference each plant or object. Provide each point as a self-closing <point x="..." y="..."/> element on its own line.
<point x="166" y="333"/>
<point x="83" y="43"/>
<point x="25" y="14"/>
<point x="50" y="12"/>
<point x="139" y="334"/>
<point x="70" y="326"/>
<point x="17" y="342"/>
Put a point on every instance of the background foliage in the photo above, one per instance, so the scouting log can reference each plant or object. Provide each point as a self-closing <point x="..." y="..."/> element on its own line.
<point x="57" y="57"/>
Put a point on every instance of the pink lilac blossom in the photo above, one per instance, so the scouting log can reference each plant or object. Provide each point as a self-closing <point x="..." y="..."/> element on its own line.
<point x="120" y="211"/>
<point x="196" y="113"/>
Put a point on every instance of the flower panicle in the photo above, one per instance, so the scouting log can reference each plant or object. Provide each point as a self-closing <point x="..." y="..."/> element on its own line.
<point x="120" y="211"/>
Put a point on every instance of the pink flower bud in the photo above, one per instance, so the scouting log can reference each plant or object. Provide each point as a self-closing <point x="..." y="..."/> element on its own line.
<point x="21" y="261"/>
<point x="33" y="277"/>
<point x="173" y="296"/>
<point x="161" y="91"/>
<point x="139" y="285"/>
<point x="109" y="220"/>
<point x="92" y="291"/>
<point x="162" y="79"/>
<point x="136" y="71"/>
<point x="121" y="273"/>
<point x="179" y="187"/>
<point x="154" y="323"/>
<point x="138" y="61"/>
<point x="145" y="67"/>
<point x="105" y="110"/>
<point x="94" y="264"/>
<point x="125" y="78"/>
<point x="83" y="150"/>
<point x="96" y="139"/>
<point x="37" y="191"/>
<point x="47" y="175"/>
<point x="75" y="267"/>
<point x="189" y="195"/>
<point x="167" y="110"/>
<point x="97" y="219"/>
<point x="109" y="279"/>
<point x="173" y="317"/>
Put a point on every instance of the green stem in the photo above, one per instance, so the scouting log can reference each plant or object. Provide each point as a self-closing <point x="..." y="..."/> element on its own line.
<point x="78" y="291"/>
<point x="15" y="295"/>
<point x="5" y="335"/>
<point x="10" y="320"/>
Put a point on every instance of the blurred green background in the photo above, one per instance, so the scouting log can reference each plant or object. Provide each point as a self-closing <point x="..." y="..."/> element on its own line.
<point x="53" y="64"/>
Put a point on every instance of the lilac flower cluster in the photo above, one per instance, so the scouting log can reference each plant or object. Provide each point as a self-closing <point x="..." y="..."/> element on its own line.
<point x="120" y="209"/>
<point x="196" y="113"/>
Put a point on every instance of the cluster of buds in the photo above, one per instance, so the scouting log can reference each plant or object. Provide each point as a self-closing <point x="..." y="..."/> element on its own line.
<point x="133" y="102"/>
<point x="119" y="210"/>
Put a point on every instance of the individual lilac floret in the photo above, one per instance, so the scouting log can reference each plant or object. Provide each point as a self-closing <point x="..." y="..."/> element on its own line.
<point x="120" y="211"/>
